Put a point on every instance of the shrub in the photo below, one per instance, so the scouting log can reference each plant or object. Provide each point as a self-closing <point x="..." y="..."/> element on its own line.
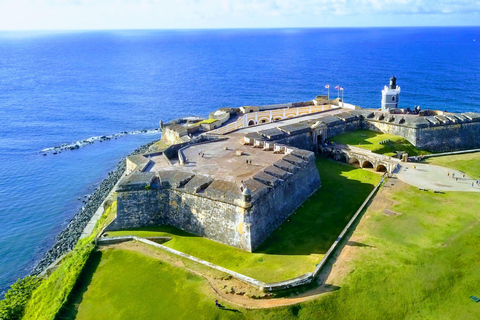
<point x="13" y="306"/>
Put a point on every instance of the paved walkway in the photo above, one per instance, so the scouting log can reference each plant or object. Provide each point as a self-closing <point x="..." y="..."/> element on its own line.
<point x="435" y="178"/>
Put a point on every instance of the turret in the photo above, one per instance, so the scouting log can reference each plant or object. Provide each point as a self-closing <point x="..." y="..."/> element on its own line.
<point x="390" y="95"/>
<point x="393" y="82"/>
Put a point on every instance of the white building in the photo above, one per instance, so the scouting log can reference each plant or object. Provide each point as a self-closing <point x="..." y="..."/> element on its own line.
<point x="390" y="95"/>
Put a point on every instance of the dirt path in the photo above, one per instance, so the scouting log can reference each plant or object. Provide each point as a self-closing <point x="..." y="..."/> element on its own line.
<point x="239" y="300"/>
<point x="331" y="276"/>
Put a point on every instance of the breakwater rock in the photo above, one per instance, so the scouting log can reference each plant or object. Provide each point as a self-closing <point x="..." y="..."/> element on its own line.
<point x="67" y="239"/>
<point x="85" y="142"/>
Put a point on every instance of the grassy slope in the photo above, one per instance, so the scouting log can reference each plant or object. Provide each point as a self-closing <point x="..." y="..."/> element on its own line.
<point x="468" y="163"/>
<point x="53" y="292"/>
<point x="424" y="265"/>
<point x="300" y="242"/>
<point x="128" y="285"/>
<point x="421" y="264"/>
<point x="370" y="140"/>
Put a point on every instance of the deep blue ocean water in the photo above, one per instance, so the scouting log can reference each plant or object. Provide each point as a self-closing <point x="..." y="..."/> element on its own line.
<point x="60" y="87"/>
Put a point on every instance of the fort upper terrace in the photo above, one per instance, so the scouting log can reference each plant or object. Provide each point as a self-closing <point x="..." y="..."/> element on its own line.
<point x="237" y="176"/>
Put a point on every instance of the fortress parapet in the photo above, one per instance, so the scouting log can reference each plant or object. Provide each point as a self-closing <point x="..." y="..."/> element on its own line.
<point x="237" y="198"/>
<point x="430" y="130"/>
<point x="237" y="183"/>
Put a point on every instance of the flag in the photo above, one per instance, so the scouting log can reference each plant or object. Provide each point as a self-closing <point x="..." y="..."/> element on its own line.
<point x="341" y="88"/>
<point x="327" y="86"/>
<point x="336" y="87"/>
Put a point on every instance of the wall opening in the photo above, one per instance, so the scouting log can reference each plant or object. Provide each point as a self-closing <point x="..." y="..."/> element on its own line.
<point x="251" y="123"/>
<point x="381" y="168"/>
<point x="367" y="164"/>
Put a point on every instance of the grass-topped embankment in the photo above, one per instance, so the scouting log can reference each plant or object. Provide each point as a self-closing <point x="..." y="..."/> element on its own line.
<point x="129" y="285"/>
<point x="299" y="243"/>
<point x="419" y="264"/>
<point x="53" y="291"/>
<point x="468" y="163"/>
<point x="369" y="140"/>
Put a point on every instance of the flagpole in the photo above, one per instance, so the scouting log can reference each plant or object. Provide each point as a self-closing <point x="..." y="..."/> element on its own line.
<point x="342" y="97"/>
<point x="338" y="91"/>
<point x="328" y="89"/>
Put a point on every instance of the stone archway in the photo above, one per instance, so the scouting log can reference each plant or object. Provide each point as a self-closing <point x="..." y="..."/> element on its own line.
<point x="367" y="164"/>
<point x="353" y="161"/>
<point x="381" y="168"/>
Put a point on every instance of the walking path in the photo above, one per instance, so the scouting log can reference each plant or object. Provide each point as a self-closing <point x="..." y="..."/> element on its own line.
<point x="436" y="178"/>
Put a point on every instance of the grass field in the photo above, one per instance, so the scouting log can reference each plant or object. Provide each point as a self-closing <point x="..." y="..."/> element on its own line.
<point x="299" y="243"/>
<point x="468" y="163"/>
<point x="420" y="264"/>
<point x="370" y="140"/>
<point x="128" y="285"/>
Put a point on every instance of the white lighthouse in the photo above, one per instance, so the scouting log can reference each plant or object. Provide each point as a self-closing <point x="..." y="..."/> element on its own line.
<point x="390" y="95"/>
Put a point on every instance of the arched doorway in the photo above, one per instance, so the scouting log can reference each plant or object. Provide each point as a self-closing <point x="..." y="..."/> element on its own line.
<point x="251" y="123"/>
<point x="381" y="168"/>
<point x="367" y="164"/>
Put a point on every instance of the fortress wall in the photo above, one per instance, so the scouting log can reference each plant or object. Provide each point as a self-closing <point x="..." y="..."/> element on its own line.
<point x="170" y="136"/>
<point x="433" y="138"/>
<point x="138" y="208"/>
<point x="276" y="206"/>
<point x="406" y="132"/>
<point x="300" y="141"/>
<point x="195" y="214"/>
<point x="336" y="129"/>
<point x="215" y="220"/>
<point x="449" y="137"/>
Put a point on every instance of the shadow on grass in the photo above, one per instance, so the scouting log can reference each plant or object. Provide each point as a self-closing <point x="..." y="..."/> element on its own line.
<point x="165" y="228"/>
<point x="357" y="244"/>
<point x="317" y="223"/>
<point x="231" y="310"/>
<point x="70" y="309"/>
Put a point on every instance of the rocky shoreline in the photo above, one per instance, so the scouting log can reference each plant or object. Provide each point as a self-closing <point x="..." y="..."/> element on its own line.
<point x="68" y="238"/>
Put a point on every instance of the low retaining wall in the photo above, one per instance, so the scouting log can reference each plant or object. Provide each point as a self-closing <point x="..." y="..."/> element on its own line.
<point x="254" y="282"/>
<point x="270" y="287"/>
<point x="341" y="237"/>
<point x="445" y="154"/>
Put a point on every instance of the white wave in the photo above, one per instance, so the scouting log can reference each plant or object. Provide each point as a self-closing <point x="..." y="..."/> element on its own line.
<point x="85" y="142"/>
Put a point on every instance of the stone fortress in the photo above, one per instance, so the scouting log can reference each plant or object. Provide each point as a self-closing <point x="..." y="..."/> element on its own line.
<point x="237" y="176"/>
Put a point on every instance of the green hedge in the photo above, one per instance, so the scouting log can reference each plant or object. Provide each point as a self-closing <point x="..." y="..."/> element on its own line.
<point x="13" y="306"/>
<point x="52" y="293"/>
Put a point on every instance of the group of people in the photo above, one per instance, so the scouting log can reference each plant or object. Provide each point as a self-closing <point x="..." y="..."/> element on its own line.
<point x="474" y="183"/>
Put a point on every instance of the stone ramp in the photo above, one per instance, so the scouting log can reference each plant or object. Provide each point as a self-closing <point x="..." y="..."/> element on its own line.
<point x="436" y="178"/>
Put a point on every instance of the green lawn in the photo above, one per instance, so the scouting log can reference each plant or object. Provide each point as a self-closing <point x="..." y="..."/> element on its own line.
<point x="370" y="140"/>
<point x="300" y="242"/>
<point x="468" y="163"/>
<point x="128" y="285"/>
<point x="420" y="264"/>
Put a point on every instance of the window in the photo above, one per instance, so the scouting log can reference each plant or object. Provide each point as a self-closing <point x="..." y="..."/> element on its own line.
<point x="393" y="98"/>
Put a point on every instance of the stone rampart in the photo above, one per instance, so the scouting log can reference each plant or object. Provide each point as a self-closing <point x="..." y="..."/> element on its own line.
<point x="430" y="131"/>
<point x="218" y="209"/>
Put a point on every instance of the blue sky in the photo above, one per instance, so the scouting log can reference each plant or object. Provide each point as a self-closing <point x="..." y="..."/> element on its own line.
<point x="174" y="14"/>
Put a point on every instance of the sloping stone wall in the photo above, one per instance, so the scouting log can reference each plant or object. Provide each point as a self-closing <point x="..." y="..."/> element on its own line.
<point x="278" y="204"/>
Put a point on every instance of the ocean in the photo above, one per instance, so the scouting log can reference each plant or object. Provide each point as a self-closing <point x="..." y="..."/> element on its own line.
<point x="62" y="87"/>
